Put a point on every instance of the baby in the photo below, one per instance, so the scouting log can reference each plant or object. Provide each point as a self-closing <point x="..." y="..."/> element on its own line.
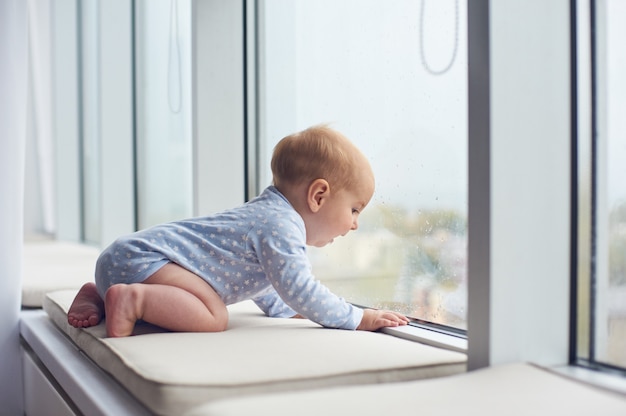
<point x="181" y="275"/>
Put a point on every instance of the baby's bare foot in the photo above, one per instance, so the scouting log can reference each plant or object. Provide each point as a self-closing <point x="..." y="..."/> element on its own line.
<point x="87" y="308"/>
<point x="121" y="307"/>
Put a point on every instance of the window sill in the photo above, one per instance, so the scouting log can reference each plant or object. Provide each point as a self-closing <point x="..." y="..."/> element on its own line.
<point x="604" y="380"/>
<point x="429" y="337"/>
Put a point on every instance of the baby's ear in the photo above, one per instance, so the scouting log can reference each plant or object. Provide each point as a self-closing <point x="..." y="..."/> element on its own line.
<point x="318" y="193"/>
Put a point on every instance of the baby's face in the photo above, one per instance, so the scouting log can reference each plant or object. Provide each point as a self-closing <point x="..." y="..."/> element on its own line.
<point x="340" y="214"/>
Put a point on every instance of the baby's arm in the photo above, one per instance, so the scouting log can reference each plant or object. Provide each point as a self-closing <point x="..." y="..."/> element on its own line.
<point x="273" y="306"/>
<point x="374" y="319"/>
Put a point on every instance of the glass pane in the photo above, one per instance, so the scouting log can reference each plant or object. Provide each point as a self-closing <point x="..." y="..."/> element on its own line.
<point x="610" y="323"/>
<point x="163" y="111"/>
<point x="391" y="76"/>
<point x="90" y="120"/>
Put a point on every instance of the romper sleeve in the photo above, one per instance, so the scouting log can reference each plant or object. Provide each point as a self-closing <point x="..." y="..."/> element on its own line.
<point x="273" y="306"/>
<point x="281" y="251"/>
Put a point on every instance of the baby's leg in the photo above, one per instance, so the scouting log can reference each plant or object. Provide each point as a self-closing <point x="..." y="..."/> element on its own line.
<point x="172" y="298"/>
<point x="87" y="308"/>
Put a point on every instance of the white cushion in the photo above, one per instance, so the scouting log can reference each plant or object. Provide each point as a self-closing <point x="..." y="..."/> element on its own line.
<point x="173" y="372"/>
<point x="512" y="390"/>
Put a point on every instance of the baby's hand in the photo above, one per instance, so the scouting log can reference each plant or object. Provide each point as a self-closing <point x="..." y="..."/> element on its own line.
<point x="375" y="319"/>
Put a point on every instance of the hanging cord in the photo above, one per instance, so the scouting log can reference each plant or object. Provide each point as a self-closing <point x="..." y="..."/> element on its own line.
<point x="174" y="81"/>
<point x="425" y="64"/>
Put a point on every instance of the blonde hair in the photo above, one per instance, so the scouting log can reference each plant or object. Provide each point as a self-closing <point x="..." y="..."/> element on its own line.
<point x="318" y="152"/>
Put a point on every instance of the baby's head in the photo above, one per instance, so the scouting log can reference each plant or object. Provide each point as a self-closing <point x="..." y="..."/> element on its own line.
<point x="326" y="178"/>
<point x="319" y="152"/>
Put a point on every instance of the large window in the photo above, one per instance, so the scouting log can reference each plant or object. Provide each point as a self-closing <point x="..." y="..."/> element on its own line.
<point x="163" y="111"/>
<point x="602" y="208"/>
<point x="391" y="76"/>
<point x="156" y="150"/>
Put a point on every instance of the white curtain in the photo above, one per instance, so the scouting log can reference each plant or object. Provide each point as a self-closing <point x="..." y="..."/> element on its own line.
<point x="13" y="68"/>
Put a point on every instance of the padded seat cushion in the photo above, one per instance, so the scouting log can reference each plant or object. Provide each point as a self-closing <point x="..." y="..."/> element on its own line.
<point x="173" y="372"/>
<point x="512" y="390"/>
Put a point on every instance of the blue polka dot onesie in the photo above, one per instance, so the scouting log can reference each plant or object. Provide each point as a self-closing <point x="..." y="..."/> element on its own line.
<point x="256" y="251"/>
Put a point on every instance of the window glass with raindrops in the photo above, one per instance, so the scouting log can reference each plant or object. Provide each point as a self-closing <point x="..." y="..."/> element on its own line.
<point x="392" y="77"/>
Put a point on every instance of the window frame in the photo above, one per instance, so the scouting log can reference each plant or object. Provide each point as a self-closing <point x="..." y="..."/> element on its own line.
<point x="586" y="189"/>
<point x="519" y="114"/>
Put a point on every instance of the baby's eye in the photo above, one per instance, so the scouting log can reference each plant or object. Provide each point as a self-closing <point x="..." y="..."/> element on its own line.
<point x="355" y="211"/>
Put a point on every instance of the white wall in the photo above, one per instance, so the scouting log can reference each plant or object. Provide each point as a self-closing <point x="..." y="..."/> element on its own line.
<point x="13" y="71"/>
